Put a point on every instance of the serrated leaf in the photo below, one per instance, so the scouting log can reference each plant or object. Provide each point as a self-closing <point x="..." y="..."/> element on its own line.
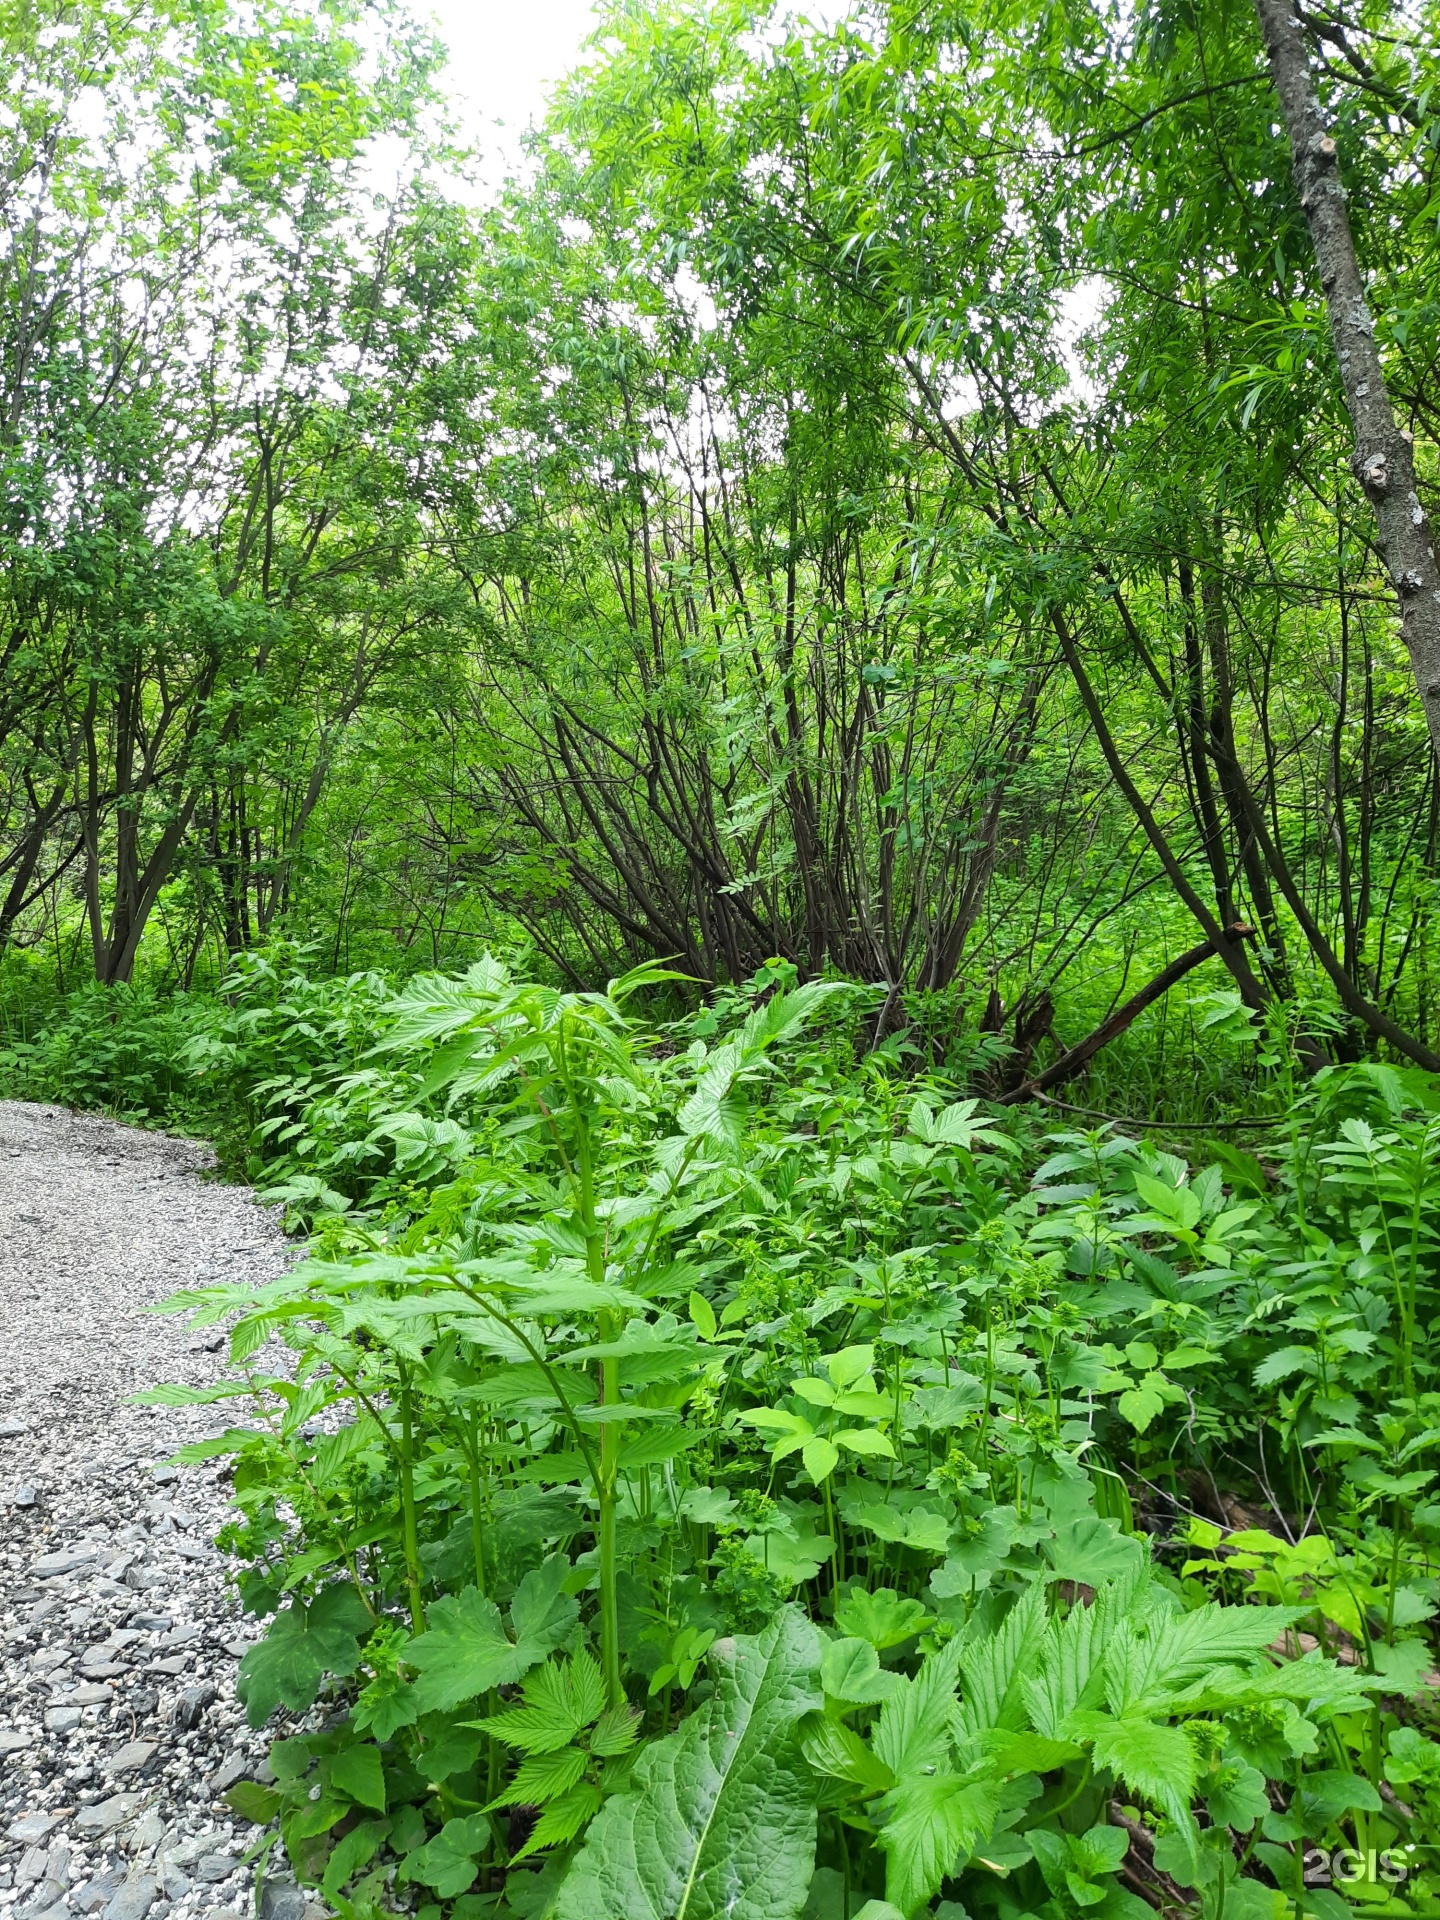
<point x="302" y="1646"/>
<point x="615" y="1732"/>
<point x="560" y="1699"/>
<point x="1282" y="1363"/>
<point x="931" y="1821"/>
<point x="721" y="1822"/>
<point x="1155" y="1761"/>
<point x="562" y="1820"/>
<point x="882" y="1617"/>
<point x="543" y="1777"/>
<point x="838" y="1751"/>
<point x="918" y="1720"/>
<point x="466" y="1650"/>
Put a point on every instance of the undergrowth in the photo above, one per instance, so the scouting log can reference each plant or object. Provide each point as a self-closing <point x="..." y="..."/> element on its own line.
<point x="711" y="1473"/>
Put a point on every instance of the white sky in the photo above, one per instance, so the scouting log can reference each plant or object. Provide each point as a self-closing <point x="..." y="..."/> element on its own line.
<point x="505" y="56"/>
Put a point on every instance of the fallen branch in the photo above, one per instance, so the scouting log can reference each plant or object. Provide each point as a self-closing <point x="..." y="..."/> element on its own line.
<point x="1078" y="1057"/>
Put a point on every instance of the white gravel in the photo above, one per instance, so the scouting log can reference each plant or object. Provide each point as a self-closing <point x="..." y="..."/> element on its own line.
<point x="113" y="1604"/>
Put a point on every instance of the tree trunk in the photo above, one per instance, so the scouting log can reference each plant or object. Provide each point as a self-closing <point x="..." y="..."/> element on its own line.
<point x="1384" y="461"/>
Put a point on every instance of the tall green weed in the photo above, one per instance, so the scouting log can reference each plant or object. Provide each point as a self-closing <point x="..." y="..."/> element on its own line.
<point x="698" y="1471"/>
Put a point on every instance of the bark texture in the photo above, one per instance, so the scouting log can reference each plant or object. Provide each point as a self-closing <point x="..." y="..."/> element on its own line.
<point x="1384" y="462"/>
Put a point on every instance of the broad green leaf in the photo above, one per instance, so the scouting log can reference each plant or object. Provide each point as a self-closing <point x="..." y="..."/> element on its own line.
<point x="720" y="1822"/>
<point x="449" y="1860"/>
<point x="466" y="1650"/>
<point x="882" y="1617"/>
<point x="350" y="1853"/>
<point x="386" y="1705"/>
<point x="819" y="1393"/>
<point x="1139" y="1405"/>
<point x="254" y="1802"/>
<point x="850" y="1364"/>
<point x="918" y="1527"/>
<point x="359" y="1775"/>
<point x="1235" y="1796"/>
<point x="851" y="1670"/>
<point x="542" y="1612"/>
<point x="837" y="1750"/>
<point x="792" y="1561"/>
<point x="1090" y="1550"/>
<point x="302" y="1646"/>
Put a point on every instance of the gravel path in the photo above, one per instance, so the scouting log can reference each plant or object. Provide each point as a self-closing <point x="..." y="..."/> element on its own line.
<point x="118" y="1728"/>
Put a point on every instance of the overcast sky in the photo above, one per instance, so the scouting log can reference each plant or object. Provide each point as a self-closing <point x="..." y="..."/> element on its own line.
<point x="505" y="55"/>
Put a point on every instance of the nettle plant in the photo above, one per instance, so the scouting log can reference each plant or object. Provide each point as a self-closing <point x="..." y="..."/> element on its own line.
<point x="711" y="1493"/>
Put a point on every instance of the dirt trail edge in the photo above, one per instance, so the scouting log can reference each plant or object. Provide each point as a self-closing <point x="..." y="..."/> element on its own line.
<point x="118" y="1637"/>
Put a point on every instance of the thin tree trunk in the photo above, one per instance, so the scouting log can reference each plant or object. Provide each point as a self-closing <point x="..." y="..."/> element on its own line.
<point x="1384" y="461"/>
<point x="1077" y="1058"/>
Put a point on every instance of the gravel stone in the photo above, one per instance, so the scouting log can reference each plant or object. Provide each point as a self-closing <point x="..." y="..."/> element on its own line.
<point x="27" y="1828"/>
<point x="134" y="1899"/>
<point x="105" y="1815"/>
<point x="31" y="1867"/>
<point x="280" y="1900"/>
<point x="49" y="1893"/>
<point x="120" y="1632"/>
<point x="50" y="1566"/>
<point x="174" y="1883"/>
<point x="190" y="1708"/>
<point x="235" y="1768"/>
<point x="98" y="1892"/>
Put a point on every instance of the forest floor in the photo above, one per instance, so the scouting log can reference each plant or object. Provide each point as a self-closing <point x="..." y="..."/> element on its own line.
<point x="119" y="1636"/>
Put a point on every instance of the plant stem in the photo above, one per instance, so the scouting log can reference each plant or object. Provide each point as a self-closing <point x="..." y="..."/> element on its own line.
<point x="609" y="1474"/>
<point x="409" y="1526"/>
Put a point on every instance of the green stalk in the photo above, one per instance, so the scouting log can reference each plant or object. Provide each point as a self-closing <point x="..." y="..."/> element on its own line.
<point x="608" y="1477"/>
<point x="409" y="1524"/>
<point x="477" y="1529"/>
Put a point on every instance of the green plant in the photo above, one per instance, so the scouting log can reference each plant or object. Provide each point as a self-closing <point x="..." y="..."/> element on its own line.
<point x="718" y="1430"/>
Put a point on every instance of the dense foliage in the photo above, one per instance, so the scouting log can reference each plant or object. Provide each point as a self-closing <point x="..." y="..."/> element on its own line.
<point x="697" y="1473"/>
<point x="871" y="541"/>
<point x="879" y="495"/>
